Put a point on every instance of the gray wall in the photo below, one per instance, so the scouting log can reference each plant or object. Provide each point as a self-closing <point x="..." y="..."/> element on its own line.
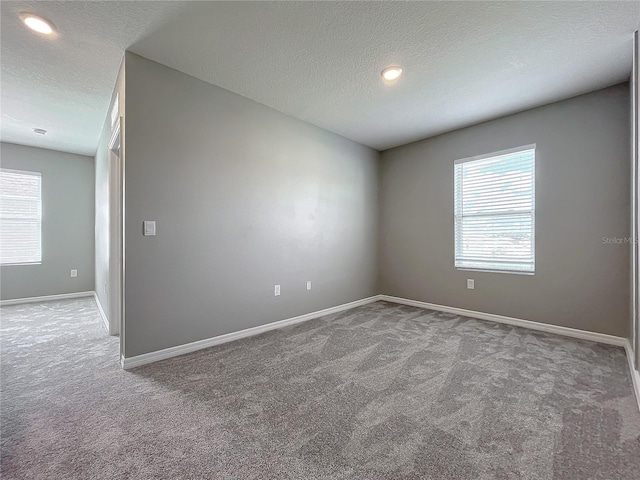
<point x="244" y="198"/>
<point x="67" y="224"/>
<point x="582" y="195"/>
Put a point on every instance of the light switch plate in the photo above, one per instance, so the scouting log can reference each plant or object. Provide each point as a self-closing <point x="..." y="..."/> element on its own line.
<point x="471" y="284"/>
<point x="74" y="273"/>
<point x="149" y="228"/>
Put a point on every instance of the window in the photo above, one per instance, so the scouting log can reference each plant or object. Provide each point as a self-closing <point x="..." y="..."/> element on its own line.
<point x="495" y="211"/>
<point x="20" y="217"/>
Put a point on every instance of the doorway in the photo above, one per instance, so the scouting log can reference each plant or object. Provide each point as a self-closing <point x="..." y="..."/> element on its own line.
<point x="115" y="234"/>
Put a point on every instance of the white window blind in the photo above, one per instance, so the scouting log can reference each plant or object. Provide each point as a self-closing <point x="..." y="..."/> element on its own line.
<point x="495" y="211"/>
<point x="20" y="217"/>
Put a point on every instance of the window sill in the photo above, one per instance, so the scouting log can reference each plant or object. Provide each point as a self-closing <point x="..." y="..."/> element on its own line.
<point x="21" y="263"/>
<point x="512" y="272"/>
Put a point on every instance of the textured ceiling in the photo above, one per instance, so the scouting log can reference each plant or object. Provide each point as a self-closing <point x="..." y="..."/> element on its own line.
<point x="64" y="84"/>
<point x="464" y="62"/>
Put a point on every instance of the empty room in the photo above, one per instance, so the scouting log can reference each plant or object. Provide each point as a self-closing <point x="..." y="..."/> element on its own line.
<point x="319" y="240"/>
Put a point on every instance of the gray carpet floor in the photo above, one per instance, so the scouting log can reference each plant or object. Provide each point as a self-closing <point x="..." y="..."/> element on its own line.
<point x="382" y="391"/>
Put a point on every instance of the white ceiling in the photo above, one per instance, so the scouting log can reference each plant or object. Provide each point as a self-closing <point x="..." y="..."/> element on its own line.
<point x="64" y="85"/>
<point x="464" y="62"/>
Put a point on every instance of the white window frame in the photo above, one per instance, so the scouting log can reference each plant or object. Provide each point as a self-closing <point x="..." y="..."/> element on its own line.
<point x="32" y="174"/>
<point x="458" y="185"/>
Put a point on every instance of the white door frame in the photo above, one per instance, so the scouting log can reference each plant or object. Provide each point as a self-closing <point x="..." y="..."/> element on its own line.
<point x="635" y="205"/>
<point x="115" y="231"/>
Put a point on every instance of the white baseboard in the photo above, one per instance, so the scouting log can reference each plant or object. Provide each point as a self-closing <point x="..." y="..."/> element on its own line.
<point x="166" y="353"/>
<point x="517" y="322"/>
<point x="105" y="320"/>
<point x="45" y="298"/>
<point x="635" y="376"/>
<point x="150" y="357"/>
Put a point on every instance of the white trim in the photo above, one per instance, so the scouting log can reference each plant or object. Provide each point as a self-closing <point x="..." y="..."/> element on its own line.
<point x="14" y="264"/>
<point x="105" y="320"/>
<point x="170" y="352"/>
<point x="486" y="270"/>
<point x="115" y="110"/>
<point x="501" y="153"/>
<point x="517" y="322"/>
<point x="45" y="298"/>
<point x="23" y="172"/>
<point x="115" y="230"/>
<point x="635" y="163"/>
<point x="635" y="376"/>
<point x="146" y="358"/>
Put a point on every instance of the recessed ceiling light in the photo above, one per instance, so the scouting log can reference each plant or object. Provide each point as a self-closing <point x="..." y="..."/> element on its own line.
<point x="39" y="131"/>
<point x="391" y="74"/>
<point x="37" y="24"/>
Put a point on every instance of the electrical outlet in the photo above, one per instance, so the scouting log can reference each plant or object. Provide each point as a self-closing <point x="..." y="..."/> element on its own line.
<point x="149" y="228"/>
<point x="277" y="290"/>
<point x="74" y="273"/>
<point x="471" y="284"/>
<point x="308" y="284"/>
